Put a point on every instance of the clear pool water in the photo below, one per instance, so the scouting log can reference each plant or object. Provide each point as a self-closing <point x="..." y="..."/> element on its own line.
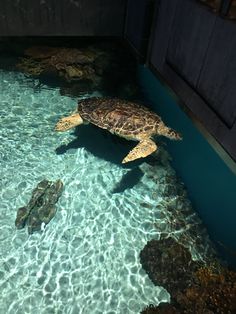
<point x="86" y="260"/>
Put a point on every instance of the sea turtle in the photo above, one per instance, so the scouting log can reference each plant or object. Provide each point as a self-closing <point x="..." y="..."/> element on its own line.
<point x="123" y="118"/>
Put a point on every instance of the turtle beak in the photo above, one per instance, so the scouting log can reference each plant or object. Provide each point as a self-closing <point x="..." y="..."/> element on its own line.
<point x="178" y="136"/>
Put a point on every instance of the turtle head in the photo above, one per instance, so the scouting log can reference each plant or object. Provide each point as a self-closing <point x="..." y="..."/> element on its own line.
<point x="163" y="130"/>
<point x="173" y="135"/>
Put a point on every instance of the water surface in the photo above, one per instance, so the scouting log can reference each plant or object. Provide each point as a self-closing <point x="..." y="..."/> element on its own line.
<point x="86" y="260"/>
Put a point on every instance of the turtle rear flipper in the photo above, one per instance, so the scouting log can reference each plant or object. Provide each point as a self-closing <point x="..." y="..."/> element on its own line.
<point x="69" y="122"/>
<point x="143" y="149"/>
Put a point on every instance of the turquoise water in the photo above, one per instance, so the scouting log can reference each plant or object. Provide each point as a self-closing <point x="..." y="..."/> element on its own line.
<point x="86" y="260"/>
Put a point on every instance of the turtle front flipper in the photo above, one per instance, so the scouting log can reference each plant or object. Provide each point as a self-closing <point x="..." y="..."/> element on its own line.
<point x="144" y="148"/>
<point x="69" y="122"/>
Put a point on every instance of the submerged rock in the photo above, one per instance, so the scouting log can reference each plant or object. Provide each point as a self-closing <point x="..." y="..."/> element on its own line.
<point x="195" y="287"/>
<point x="61" y="55"/>
<point x="72" y="64"/>
<point x="168" y="264"/>
<point x="162" y="308"/>
<point x="41" y="207"/>
<point x="109" y="68"/>
<point x="21" y="217"/>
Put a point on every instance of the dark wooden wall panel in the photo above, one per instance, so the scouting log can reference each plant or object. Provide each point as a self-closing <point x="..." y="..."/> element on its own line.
<point x="191" y="31"/>
<point x="62" y="17"/>
<point x="161" y="32"/>
<point x="138" y="24"/>
<point x="217" y="83"/>
<point x="193" y="49"/>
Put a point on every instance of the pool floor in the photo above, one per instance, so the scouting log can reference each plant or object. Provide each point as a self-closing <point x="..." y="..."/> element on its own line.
<point x="86" y="260"/>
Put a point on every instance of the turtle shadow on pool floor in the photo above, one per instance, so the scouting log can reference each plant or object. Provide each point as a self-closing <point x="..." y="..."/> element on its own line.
<point x="108" y="147"/>
<point x="128" y="180"/>
<point x="101" y="144"/>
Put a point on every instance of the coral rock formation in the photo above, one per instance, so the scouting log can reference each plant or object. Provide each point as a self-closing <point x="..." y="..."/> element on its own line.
<point x="194" y="287"/>
<point x="69" y="63"/>
<point x="92" y="67"/>
<point x="166" y="262"/>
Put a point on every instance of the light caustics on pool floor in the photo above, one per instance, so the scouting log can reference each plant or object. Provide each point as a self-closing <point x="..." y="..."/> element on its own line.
<point x="87" y="258"/>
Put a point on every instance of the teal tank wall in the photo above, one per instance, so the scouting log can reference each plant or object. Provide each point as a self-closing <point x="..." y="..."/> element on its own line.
<point x="210" y="183"/>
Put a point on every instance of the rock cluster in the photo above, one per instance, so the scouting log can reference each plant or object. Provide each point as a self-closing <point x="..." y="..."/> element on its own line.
<point x="194" y="286"/>
<point x="166" y="262"/>
<point x="82" y="69"/>
<point x="69" y="63"/>
<point x="41" y="207"/>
